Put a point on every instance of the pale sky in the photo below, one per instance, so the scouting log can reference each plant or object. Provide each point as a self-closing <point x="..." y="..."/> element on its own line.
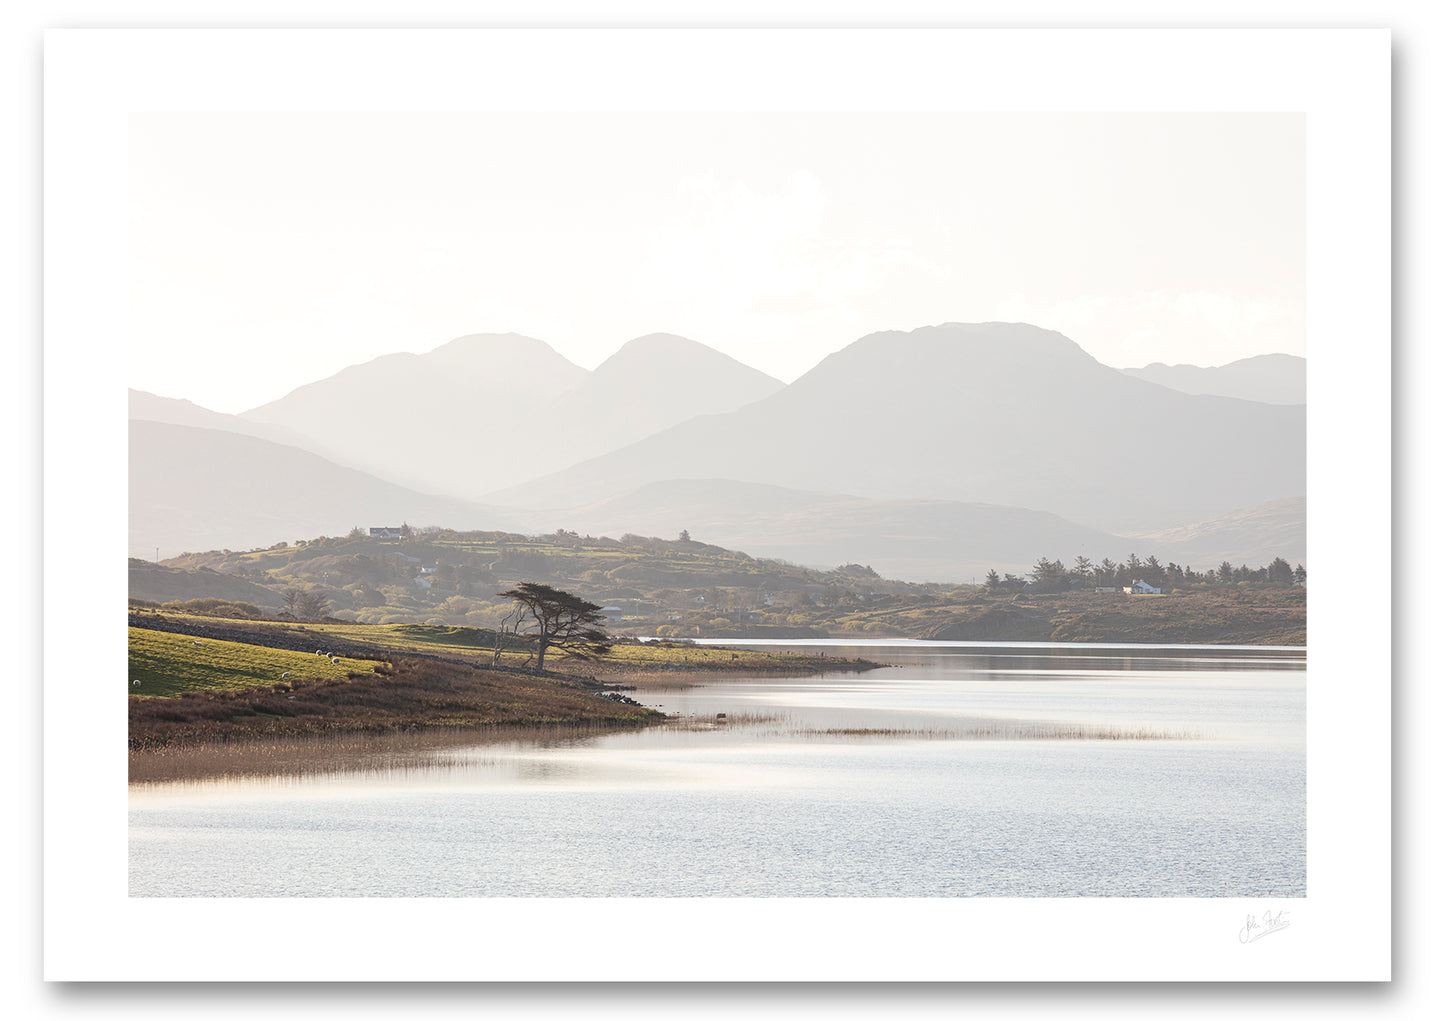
<point x="316" y="241"/>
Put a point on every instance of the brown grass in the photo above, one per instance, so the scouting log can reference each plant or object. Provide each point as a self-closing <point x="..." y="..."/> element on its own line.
<point x="410" y="693"/>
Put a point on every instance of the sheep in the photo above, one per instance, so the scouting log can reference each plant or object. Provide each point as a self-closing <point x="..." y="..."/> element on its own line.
<point x="286" y="675"/>
<point x="135" y="684"/>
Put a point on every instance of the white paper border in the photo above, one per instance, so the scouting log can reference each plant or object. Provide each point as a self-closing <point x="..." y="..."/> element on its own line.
<point x="1339" y="78"/>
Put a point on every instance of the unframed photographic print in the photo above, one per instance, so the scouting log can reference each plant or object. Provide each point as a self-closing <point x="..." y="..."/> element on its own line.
<point x="858" y="509"/>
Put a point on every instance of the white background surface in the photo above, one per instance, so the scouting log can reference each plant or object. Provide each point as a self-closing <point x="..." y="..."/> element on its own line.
<point x="1335" y="946"/>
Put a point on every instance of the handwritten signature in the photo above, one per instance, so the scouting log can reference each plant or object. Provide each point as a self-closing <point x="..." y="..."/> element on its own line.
<point x="1258" y="928"/>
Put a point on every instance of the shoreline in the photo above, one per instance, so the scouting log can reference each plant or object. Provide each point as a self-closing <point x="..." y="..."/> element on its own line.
<point x="193" y="695"/>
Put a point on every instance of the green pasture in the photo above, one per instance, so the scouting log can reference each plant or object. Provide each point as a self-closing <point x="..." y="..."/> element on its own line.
<point x="168" y="664"/>
<point x="249" y="665"/>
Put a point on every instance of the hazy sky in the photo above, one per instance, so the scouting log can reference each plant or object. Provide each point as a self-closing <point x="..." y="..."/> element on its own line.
<point x="312" y="242"/>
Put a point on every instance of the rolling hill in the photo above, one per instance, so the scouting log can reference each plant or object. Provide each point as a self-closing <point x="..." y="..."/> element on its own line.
<point x="916" y="540"/>
<point x="201" y="489"/>
<point x="1253" y="536"/>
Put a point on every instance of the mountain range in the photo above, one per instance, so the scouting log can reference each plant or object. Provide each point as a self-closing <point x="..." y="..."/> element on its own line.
<point x="994" y="413"/>
<point x="932" y="455"/>
<point x="1272" y="379"/>
<point x="490" y="410"/>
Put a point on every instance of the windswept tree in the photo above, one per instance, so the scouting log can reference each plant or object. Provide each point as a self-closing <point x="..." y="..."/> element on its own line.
<point x="559" y="620"/>
<point x="311" y="604"/>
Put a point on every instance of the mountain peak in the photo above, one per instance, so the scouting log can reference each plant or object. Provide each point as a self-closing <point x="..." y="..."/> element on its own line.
<point x="491" y="353"/>
<point x="669" y="352"/>
<point x="970" y="354"/>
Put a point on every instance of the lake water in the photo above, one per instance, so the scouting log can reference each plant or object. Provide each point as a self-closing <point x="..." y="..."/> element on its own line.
<point x="961" y="770"/>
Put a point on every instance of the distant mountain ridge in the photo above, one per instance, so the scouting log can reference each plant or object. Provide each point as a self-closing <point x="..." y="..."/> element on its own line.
<point x="937" y="450"/>
<point x="490" y="410"/>
<point x="193" y="489"/>
<point x="918" y="540"/>
<point x="1272" y="379"/>
<point x="1251" y="535"/>
<point x="149" y="407"/>
<point x="994" y="413"/>
<point x="430" y="421"/>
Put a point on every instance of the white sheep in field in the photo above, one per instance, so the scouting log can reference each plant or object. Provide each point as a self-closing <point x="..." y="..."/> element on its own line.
<point x="286" y="675"/>
<point x="135" y="684"/>
<point x="336" y="660"/>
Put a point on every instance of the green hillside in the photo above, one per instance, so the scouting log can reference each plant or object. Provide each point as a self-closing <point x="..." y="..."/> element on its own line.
<point x="682" y="588"/>
<point x="168" y="664"/>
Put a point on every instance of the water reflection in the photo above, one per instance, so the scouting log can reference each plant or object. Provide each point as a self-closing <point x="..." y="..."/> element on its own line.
<point x="960" y="772"/>
<point x="935" y="694"/>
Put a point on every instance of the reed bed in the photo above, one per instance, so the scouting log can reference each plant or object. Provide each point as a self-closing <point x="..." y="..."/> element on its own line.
<point x="422" y="749"/>
<point x="780" y="722"/>
<point x="1015" y="732"/>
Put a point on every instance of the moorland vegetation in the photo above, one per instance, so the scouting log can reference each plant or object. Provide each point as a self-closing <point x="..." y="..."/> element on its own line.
<point x="682" y="588"/>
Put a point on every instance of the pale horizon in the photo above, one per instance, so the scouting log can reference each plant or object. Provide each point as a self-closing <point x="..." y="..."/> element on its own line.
<point x="313" y="242"/>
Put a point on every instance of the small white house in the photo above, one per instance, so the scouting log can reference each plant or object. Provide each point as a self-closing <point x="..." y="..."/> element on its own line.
<point x="1142" y="588"/>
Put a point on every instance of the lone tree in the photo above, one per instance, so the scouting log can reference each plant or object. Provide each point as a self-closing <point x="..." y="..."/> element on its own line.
<point x="560" y="620"/>
<point x="305" y="604"/>
<point x="312" y="604"/>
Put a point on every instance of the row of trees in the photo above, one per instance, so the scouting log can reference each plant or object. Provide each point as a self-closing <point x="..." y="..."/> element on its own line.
<point x="1052" y="576"/>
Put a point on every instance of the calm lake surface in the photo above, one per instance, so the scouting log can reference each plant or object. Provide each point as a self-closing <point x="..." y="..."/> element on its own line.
<point x="961" y="770"/>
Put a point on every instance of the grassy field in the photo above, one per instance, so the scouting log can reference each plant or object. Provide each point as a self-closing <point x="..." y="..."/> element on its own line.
<point x="477" y="644"/>
<point x="168" y="664"/>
